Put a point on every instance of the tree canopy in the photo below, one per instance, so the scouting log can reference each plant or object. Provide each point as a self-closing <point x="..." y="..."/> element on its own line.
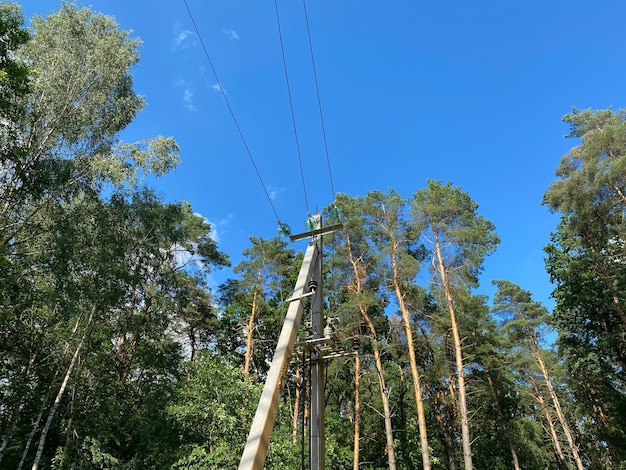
<point x="117" y="352"/>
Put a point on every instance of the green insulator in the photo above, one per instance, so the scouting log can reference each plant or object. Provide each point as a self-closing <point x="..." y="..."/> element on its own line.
<point x="336" y="214"/>
<point x="310" y="223"/>
<point x="284" y="230"/>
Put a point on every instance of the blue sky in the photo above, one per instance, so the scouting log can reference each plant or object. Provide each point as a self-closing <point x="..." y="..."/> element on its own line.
<point x="468" y="92"/>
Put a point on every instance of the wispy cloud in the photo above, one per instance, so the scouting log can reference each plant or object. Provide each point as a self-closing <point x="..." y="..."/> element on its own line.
<point x="274" y="191"/>
<point x="231" y="33"/>
<point x="183" y="38"/>
<point x="217" y="87"/>
<point x="188" y="99"/>
<point x="188" y="93"/>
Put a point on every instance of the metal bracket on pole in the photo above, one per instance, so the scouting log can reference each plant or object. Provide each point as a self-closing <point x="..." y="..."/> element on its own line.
<point x="316" y="232"/>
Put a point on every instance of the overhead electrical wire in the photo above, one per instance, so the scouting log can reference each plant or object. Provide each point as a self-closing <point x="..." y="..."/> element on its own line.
<point x="319" y="101"/>
<point x="284" y="229"/>
<point x="230" y="110"/>
<point x="293" y="116"/>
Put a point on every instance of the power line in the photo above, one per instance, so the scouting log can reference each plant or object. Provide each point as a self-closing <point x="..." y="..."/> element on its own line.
<point x="319" y="101"/>
<point x="293" y="116"/>
<point x="230" y="110"/>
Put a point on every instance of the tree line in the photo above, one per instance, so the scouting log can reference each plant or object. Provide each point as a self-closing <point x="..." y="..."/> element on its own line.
<point x="115" y="353"/>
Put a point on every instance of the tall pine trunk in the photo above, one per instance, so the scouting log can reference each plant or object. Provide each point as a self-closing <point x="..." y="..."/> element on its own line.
<point x="382" y="387"/>
<point x="356" y="288"/>
<point x="560" y="457"/>
<point x="417" y="388"/>
<point x="250" y="326"/>
<point x="557" y="405"/>
<point x="458" y="356"/>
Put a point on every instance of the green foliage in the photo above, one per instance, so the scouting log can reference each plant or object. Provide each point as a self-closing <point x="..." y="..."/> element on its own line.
<point x="213" y="411"/>
<point x="14" y="72"/>
<point x="585" y="262"/>
<point x="82" y="238"/>
<point x="466" y="237"/>
<point x="94" y="265"/>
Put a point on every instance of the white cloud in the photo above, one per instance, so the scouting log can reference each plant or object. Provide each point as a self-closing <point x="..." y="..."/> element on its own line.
<point x="218" y="227"/>
<point x="183" y="38"/>
<point x="217" y="87"/>
<point x="231" y="33"/>
<point x="188" y="94"/>
<point x="274" y="191"/>
<point x="188" y="99"/>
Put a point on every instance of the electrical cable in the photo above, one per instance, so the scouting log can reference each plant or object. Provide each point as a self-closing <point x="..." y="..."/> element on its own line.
<point x="230" y="110"/>
<point x="319" y="101"/>
<point x="293" y="116"/>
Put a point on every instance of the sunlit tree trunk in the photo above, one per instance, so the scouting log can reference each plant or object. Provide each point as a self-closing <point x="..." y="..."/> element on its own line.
<point x="250" y="326"/>
<point x="458" y="356"/>
<point x="357" y="288"/>
<point x="31" y="435"/>
<point x="555" y="402"/>
<point x="35" y="426"/>
<point x="561" y="462"/>
<point x="417" y="388"/>
<point x="296" y="409"/>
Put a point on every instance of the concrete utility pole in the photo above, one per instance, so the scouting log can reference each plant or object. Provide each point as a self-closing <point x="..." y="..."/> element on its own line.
<point x="318" y="376"/>
<point x="309" y="284"/>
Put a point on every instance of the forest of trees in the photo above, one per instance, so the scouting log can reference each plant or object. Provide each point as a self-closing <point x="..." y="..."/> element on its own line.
<point x="115" y="353"/>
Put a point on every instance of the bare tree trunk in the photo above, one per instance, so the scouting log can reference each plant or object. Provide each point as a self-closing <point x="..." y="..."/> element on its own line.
<point x="384" y="396"/>
<point x="557" y="405"/>
<point x="32" y="433"/>
<point x="421" y="414"/>
<point x="59" y="397"/>
<point x="458" y="355"/>
<point x="35" y="426"/>
<point x="296" y="409"/>
<point x="250" y="327"/>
